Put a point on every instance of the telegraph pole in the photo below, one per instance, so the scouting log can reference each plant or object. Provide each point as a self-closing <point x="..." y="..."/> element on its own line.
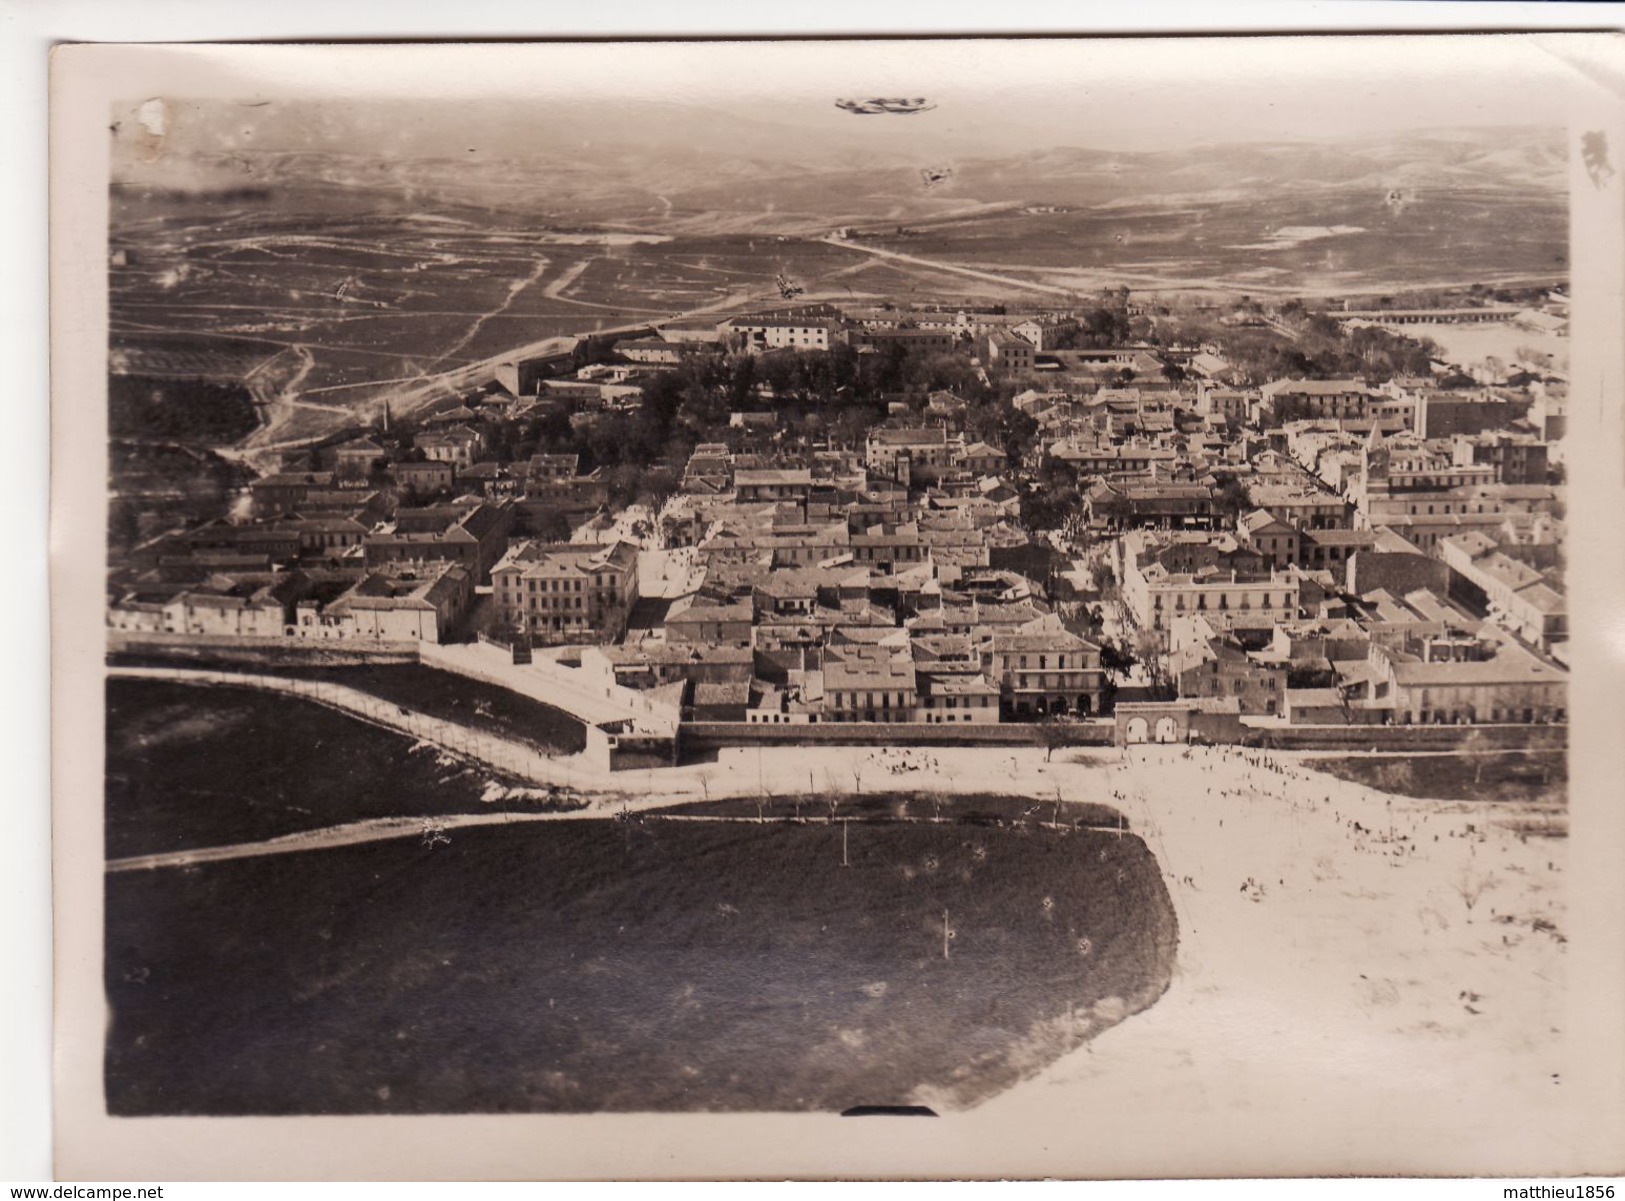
<point x="844" y="861"/>
<point x="947" y="933"/>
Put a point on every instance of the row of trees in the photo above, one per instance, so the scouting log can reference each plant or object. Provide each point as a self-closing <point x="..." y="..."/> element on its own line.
<point x="1316" y="346"/>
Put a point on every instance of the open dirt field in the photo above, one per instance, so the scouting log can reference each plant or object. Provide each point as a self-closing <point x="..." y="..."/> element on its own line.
<point x="1292" y="245"/>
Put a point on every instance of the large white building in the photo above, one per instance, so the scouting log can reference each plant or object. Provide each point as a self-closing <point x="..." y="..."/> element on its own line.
<point x="1156" y="595"/>
<point x="570" y="592"/>
<point x="814" y="327"/>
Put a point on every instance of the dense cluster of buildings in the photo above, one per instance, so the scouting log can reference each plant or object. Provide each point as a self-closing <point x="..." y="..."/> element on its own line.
<point x="1310" y="551"/>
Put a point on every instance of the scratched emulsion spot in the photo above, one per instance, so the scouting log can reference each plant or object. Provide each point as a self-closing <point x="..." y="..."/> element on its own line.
<point x="154" y="117"/>
<point x="1594" y="153"/>
<point x="932" y="176"/>
<point x="151" y="128"/>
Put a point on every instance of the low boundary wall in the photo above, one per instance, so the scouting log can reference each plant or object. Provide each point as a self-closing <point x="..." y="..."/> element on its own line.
<point x="230" y="648"/>
<point x="1399" y="739"/>
<point x="712" y="735"/>
<point x="715" y="735"/>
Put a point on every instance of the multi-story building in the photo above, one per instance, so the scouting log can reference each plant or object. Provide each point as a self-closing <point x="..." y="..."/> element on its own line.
<point x="546" y="469"/>
<point x="285" y="492"/>
<point x="1229" y="404"/>
<point x="952" y="685"/>
<point x="1298" y="503"/>
<point x="1114" y="504"/>
<point x="1516" y="458"/>
<point x="1045" y="333"/>
<point x="875" y="686"/>
<point x="753" y="485"/>
<point x="357" y="458"/>
<point x="454" y="444"/>
<point x="1445" y="414"/>
<point x="431" y="475"/>
<point x="1216" y="668"/>
<point x="1271" y="537"/>
<point x="1044" y="669"/>
<point x="1389" y="465"/>
<point x="1295" y="399"/>
<point x="888" y="548"/>
<point x="710" y="624"/>
<point x="1093" y="458"/>
<point x="910" y="456"/>
<point x="1513" y="594"/>
<point x="1330" y="550"/>
<point x="1156" y="595"/>
<point x="979" y="459"/>
<point x="1446" y="681"/>
<point x="1008" y="354"/>
<point x="239" y="605"/>
<point x="812" y="327"/>
<point x="473" y="533"/>
<point x="651" y="350"/>
<point x="327" y="537"/>
<point x="402" y="602"/>
<point x="916" y="341"/>
<point x="570" y="592"/>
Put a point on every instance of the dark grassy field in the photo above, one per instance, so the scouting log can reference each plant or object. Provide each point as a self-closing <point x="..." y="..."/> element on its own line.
<point x="189" y="767"/>
<point x="599" y="965"/>
<point x="1511" y="776"/>
<point x="451" y="697"/>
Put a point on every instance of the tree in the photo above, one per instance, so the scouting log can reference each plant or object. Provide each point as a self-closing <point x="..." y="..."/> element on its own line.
<point x="1230" y="498"/>
<point x="1148" y="648"/>
<point x="1114" y="658"/>
<point x="1472" y="884"/>
<point x="1474" y="745"/>
<point x="1399" y="778"/>
<point x="1053" y="733"/>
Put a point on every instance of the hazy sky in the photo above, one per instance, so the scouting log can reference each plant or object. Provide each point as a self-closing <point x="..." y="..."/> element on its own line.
<point x="1007" y="96"/>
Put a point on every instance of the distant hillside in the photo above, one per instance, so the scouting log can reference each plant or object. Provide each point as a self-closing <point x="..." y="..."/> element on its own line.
<point x="740" y="179"/>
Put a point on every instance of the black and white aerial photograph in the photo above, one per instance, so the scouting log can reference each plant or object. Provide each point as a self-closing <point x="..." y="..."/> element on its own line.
<point x="954" y="588"/>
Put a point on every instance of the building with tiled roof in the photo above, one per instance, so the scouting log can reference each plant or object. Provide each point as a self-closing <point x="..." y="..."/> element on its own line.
<point x="1459" y="681"/>
<point x="870" y="687"/>
<point x="400" y="602"/>
<point x="1042" y="668"/>
<point x="453" y="444"/>
<point x="562" y="593"/>
<point x="474" y="534"/>
<point x="1515" y="595"/>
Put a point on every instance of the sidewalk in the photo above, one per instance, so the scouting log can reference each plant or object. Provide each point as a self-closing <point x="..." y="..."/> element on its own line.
<point x="551" y="683"/>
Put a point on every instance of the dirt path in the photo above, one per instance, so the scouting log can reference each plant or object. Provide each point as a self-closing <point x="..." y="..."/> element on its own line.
<point x="514" y="289"/>
<point x="952" y="268"/>
<point x="378" y="829"/>
<point x="437" y="829"/>
<point x="555" y="289"/>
